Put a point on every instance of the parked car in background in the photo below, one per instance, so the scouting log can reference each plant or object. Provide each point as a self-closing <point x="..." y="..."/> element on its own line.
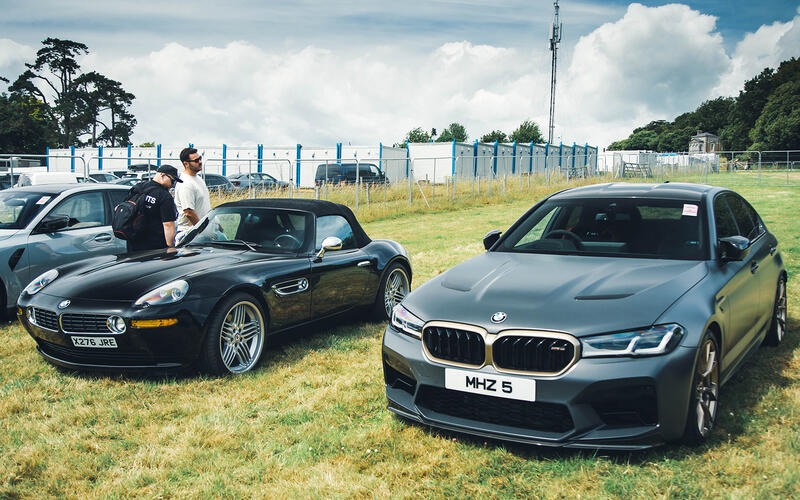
<point x="218" y="183"/>
<point x="607" y="316"/>
<point x="250" y="270"/>
<point x="7" y="180"/>
<point x="48" y="225"/>
<point x="256" y="180"/>
<point x="127" y="181"/>
<point x="103" y="176"/>
<point x="349" y="173"/>
<point x="38" y="178"/>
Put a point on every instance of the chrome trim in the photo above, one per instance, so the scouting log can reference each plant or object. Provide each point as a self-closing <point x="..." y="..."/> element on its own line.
<point x="290" y="287"/>
<point x="490" y="338"/>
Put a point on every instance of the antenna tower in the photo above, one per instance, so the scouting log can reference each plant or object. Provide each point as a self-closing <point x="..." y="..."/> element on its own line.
<point x="555" y="39"/>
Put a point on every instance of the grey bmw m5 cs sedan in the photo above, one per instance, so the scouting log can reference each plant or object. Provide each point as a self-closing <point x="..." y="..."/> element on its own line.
<point x="607" y="316"/>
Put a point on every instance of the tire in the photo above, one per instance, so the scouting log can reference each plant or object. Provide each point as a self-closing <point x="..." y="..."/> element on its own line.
<point x="777" y="329"/>
<point x="704" y="393"/>
<point x="394" y="286"/>
<point x="235" y="336"/>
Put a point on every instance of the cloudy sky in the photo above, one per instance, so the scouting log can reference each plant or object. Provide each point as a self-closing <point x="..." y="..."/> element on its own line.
<point x="247" y="72"/>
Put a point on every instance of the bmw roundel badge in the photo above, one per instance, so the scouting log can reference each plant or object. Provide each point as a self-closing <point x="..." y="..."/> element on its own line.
<point x="64" y="304"/>
<point x="499" y="317"/>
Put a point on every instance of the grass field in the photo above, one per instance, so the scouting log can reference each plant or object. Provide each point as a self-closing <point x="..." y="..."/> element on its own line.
<point x="311" y="420"/>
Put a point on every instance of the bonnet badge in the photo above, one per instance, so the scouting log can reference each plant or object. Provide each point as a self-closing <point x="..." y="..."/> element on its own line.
<point x="64" y="304"/>
<point x="499" y="317"/>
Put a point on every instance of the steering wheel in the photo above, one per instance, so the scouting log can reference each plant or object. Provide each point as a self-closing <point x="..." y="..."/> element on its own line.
<point x="564" y="232"/>
<point x="289" y="241"/>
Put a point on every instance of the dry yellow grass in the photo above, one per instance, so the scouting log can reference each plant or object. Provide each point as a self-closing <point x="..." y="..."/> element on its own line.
<point x="311" y="421"/>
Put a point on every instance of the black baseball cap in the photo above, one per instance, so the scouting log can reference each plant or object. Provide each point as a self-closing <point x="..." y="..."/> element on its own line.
<point x="170" y="171"/>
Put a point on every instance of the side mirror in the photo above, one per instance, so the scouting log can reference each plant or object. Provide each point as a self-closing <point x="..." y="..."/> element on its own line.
<point x="53" y="223"/>
<point x="733" y="248"/>
<point x="328" y="244"/>
<point x="491" y="238"/>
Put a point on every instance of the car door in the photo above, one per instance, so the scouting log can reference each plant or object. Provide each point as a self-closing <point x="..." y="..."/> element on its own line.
<point x="341" y="279"/>
<point x="88" y="234"/>
<point x="741" y="297"/>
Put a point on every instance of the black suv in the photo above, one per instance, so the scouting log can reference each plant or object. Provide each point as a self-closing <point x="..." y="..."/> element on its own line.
<point x="335" y="173"/>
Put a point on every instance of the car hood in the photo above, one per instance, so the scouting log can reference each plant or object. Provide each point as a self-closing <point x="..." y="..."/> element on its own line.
<point x="7" y="233"/>
<point x="574" y="294"/>
<point x="127" y="278"/>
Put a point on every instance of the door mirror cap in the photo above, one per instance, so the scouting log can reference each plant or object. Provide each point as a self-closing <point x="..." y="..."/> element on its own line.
<point x="491" y="238"/>
<point x="733" y="248"/>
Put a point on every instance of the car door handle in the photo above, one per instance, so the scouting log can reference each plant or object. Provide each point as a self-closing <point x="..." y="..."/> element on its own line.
<point x="103" y="238"/>
<point x="772" y="250"/>
<point x="753" y="267"/>
<point x="364" y="263"/>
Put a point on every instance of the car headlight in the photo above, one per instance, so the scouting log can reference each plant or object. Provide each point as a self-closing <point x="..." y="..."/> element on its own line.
<point x="165" y="294"/>
<point x="653" y="341"/>
<point x="406" y="322"/>
<point x="41" y="281"/>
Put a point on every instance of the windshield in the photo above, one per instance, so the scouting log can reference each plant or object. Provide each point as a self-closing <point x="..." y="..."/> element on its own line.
<point x="264" y="229"/>
<point x="664" y="229"/>
<point x="17" y="209"/>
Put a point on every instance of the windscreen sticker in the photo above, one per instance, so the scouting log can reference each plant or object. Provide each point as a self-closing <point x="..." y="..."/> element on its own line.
<point x="690" y="210"/>
<point x="43" y="200"/>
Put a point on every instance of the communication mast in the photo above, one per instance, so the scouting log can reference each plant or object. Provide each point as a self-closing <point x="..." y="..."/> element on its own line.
<point x="555" y="39"/>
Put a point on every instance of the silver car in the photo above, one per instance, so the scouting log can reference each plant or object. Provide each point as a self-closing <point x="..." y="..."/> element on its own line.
<point x="45" y="226"/>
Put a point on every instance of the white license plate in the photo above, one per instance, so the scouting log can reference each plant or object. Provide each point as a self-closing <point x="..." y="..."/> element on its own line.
<point x="97" y="342"/>
<point x="500" y="386"/>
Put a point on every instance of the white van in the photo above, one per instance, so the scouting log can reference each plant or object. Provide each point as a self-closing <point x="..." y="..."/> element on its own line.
<point x="35" y="178"/>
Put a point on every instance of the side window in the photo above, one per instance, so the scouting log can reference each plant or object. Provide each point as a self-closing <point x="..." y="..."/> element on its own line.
<point x="84" y="210"/>
<point x="117" y="196"/>
<point x="335" y="225"/>
<point x="746" y="218"/>
<point x="723" y="218"/>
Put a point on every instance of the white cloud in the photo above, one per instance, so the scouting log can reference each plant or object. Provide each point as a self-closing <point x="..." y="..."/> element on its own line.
<point x="290" y="84"/>
<point x="654" y="63"/>
<point x="13" y="57"/>
<point x="766" y="48"/>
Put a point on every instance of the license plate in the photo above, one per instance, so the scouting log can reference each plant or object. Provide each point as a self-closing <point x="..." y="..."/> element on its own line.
<point x="523" y="389"/>
<point x="97" y="342"/>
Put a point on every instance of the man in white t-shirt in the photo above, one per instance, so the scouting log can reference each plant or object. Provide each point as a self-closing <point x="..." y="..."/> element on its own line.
<point x="191" y="195"/>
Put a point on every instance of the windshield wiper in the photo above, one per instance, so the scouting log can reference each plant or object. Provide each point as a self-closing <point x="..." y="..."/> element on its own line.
<point x="249" y="244"/>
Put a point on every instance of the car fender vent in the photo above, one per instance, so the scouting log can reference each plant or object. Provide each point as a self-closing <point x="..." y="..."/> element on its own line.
<point x="13" y="260"/>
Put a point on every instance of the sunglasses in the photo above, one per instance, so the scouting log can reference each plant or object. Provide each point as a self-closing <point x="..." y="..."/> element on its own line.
<point x="199" y="159"/>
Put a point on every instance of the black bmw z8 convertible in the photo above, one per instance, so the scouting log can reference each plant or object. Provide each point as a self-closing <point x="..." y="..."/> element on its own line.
<point x="607" y="316"/>
<point x="250" y="269"/>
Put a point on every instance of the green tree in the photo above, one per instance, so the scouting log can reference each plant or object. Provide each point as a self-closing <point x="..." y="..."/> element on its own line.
<point x="25" y="126"/>
<point x="453" y="132"/>
<point x="73" y="101"/>
<point x="104" y="99"/>
<point x="494" y="135"/>
<point x="415" y="135"/>
<point x="527" y="132"/>
<point x="778" y="126"/>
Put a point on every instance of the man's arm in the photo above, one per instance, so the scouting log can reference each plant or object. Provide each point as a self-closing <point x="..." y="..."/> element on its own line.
<point x="169" y="233"/>
<point x="191" y="215"/>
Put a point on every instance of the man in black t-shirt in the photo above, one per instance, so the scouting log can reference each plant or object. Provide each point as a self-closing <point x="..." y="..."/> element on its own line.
<point x="158" y="209"/>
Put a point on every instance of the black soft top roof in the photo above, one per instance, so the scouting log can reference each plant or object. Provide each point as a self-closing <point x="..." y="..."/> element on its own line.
<point x="317" y="207"/>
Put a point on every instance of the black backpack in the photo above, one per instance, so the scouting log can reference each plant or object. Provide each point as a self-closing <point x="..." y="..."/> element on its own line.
<point x="128" y="219"/>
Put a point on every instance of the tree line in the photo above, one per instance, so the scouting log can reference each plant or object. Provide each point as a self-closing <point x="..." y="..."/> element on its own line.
<point x="55" y="103"/>
<point x="528" y="131"/>
<point x="764" y="117"/>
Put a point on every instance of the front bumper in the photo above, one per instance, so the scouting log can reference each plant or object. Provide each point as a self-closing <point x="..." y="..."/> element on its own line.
<point x="608" y="403"/>
<point x="166" y="347"/>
